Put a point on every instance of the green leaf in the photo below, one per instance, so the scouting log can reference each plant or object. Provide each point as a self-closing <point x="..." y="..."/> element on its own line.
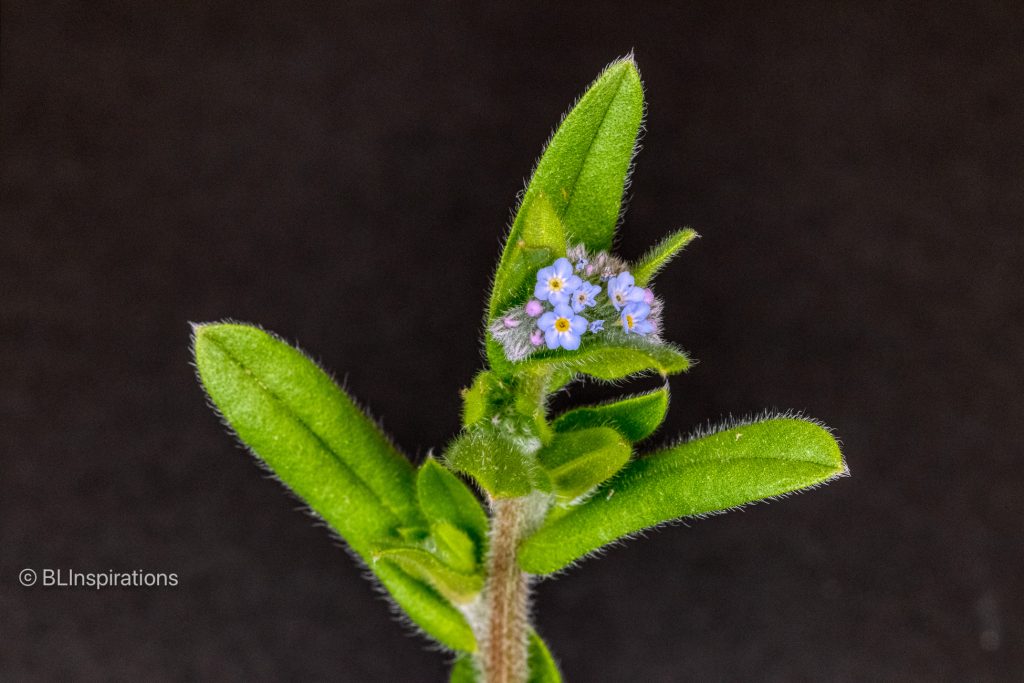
<point x="326" y="450"/>
<point x="542" y="665"/>
<point x="615" y="357"/>
<point x="445" y="499"/>
<point x="308" y="431"/>
<point x="421" y="564"/>
<point x="577" y="461"/>
<point x="579" y="181"/>
<point x="455" y="548"/>
<point x="426" y="607"/>
<point x="717" y="472"/>
<point x="463" y="671"/>
<point x="540" y="241"/>
<point x="504" y="464"/>
<point x="635" y="417"/>
<point x="660" y="254"/>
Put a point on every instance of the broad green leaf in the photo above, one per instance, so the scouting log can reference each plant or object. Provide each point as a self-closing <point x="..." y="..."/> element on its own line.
<point x="615" y="358"/>
<point x="717" y="472"/>
<point x="444" y="498"/>
<point x="307" y="430"/>
<point x="421" y="564"/>
<point x="577" y="461"/>
<point x="426" y="607"/>
<point x="579" y="181"/>
<point x="542" y="665"/>
<point x="660" y="254"/>
<point x="635" y="417"/>
<point x="320" y="445"/>
<point x="504" y="465"/>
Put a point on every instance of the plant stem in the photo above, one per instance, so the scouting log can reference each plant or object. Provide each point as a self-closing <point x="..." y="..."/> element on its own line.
<point x="503" y="643"/>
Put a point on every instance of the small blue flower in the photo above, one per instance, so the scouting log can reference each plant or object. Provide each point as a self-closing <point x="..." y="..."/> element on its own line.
<point x="621" y="290"/>
<point x="634" y="319"/>
<point x="556" y="282"/>
<point x="562" y="327"/>
<point x="597" y="326"/>
<point x="584" y="296"/>
<point x="581" y="264"/>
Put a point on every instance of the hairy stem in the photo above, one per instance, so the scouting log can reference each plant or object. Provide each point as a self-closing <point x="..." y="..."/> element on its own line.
<point x="503" y="643"/>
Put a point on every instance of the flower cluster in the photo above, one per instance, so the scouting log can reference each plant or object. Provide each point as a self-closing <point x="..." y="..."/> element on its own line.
<point x="576" y="296"/>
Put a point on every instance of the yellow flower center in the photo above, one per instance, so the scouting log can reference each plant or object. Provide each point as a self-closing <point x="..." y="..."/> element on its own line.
<point x="562" y="325"/>
<point x="629" y="321"/>
<point x="555" y="284"/>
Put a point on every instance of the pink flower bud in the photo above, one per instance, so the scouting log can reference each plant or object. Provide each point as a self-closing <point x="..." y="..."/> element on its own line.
<point x="537" y="338"/>
<point x="511" y="322"/>
<point x="648" y="296"/>
<point x="534" y="308"/>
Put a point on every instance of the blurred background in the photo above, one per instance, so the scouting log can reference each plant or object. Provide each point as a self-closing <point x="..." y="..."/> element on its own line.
<point x="343" y="174"/>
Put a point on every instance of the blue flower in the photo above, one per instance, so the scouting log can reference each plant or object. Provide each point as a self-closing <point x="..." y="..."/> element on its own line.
<point x="556" y="282"/>
<point x="597" y="326"/>
<point x="634" y="318"/>
<point x="584" y="296"/>
<point x="562" y="327"/>
<point x="581" y="264"/>
<point x="621" y="290"/>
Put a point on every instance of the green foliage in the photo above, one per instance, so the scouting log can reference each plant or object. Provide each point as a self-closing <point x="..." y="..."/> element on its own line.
<point x="572" y="480"/>
<point x="577" y="461"/>
<point x="445" y="500"/>
<point x="320" y="445"/>
<point x="660" y="254"/>
<point x="576" y="190"/>
<point x="717" y="472"/>
<point x="503" y="463"/>
<point x="615" y="358"/>
<point x="635" y="417"/>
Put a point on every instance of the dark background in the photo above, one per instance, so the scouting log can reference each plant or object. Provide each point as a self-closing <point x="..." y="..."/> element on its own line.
<point x="343" y="176"/>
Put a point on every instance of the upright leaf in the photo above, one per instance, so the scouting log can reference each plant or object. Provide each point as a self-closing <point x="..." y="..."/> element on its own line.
<point x="326" y="450"/>
<point x="717" y="472"/>
<point x="635" y="417"/>
<point x="445" y="499"/>
<point x="660" y="254"/>
<point x="580" y="178"/>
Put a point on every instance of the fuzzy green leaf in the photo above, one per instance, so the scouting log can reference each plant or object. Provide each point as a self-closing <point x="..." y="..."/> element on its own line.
<point x="504" y="465"/>
<point x="579" y="181"/>
<point x="455" y="548"/>
<point x="660" y="254"/>
<point x="426" y="607"/>
<point x="614" y="358"/>
<point x="326" y="450"/>
<point x="444" y="498"/>
<point x="310" y="433"/>
<point x="635" y="417"/>
<point x="456" y="586"/>
<point x="577" y="461"/>
<point x="717" y="472"/>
